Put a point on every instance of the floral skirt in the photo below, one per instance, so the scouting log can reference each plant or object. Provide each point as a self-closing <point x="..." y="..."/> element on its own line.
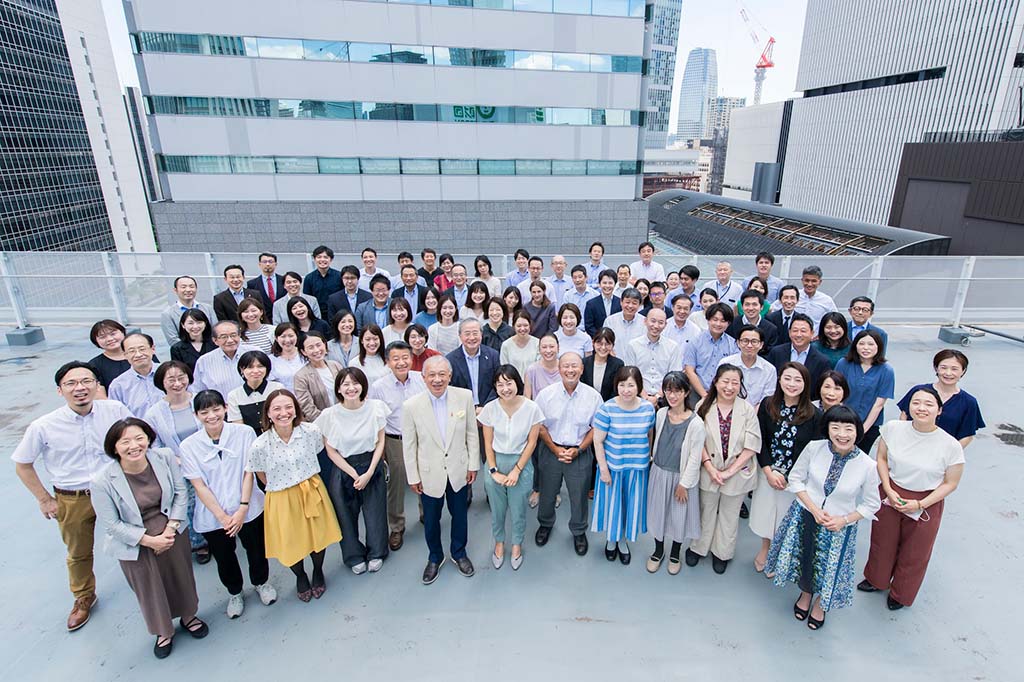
<point x="820" y="561"/>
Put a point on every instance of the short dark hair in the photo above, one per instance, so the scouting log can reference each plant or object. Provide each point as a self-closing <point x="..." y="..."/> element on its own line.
<point x="311" y="334"/>
<point x="521" y="315"/>
<point x="691" y="271"/>
<point x="267" y="254"/>
<point x="370" y="249"/>
<point x="681" y="295"/>
<point x="234" y="266"/>
<point x="207" y="399"/>
<point x="74" y="364"/>
<point x="117" y="430"/>
<point x="486" y="261"/>
<point x="675" y="381"/>
<point x="293" y="275"/>
<point x="149" y="339"/>
<point x="375" y="330"/>
<point x="325" y="250"/>
<point x="607" y="272"/>
<point x="853" y="357"/>
<point x="752" y="293"/>
<point x="200" y="316"/>
<point x="708" y="291"/>
<point x="655" y="285"/>
<point x="427" y="250"/>
<point x="839" y="320"/>
<point x="380" y="279"/>
<point x="521" y="252"/>
<point x="509" y="373"/>
<point x="415" y="327"/>
<point x="358" y="375"/>
<point x="764" y="255"/>
<point x="350" y="270"/>
<point x="181" y="277"/>
<point x="570" y="308"/>
<point x="407" y="266"/>
<point x="536" y="258"/>
<point x="265" y="412"/>
<point x="605" y="334"/>
<point x="631" y="293"/>
<point x="577" y="268"/>
<point x="446" y="257"/>
<point x="102" y="325"/>
<point x="254" y="357"/>
<point x="950" y="354"/>
<point x="275" y="347"/>
<point x="403" y="255"/>
<point x="751" y="328"/>
<point x="496" y="300"/>
<point x="801" y="317"/>
<point x="595" y="244"/>
<point x="396" y="345"/>
<point x="626" y="373"/>
<point x="789" y="287"/>
<point x="338" y="317"/>
<point x="619" y="267"/>
<point x="925" y="388"/>
<point x="165" y="367"/>
<point x="400" y="302"/>
<point x="641" y="248"/>
<point x="862" y="299"/>
<point x="837" y="378"/>
<point x="812" y="271"/>
<point x="724" y="309"/>
<point x="841" y="414"/>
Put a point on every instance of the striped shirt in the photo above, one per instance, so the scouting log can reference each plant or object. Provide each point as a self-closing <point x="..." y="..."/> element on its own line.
<point x="262" y="338"/>
<point x="627" y="444"/>
<point x="217" y="372"/>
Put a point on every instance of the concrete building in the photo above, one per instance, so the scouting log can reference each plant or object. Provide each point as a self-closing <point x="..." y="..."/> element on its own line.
<point x="676" y="168"/>
<point x="333" y="120"/>
<point x="698" y="88"/>
<point x="876" y="75"/>
<point x="755" y="136"/>
<point x="719" y="112"/>
<point x="663" y="37"/>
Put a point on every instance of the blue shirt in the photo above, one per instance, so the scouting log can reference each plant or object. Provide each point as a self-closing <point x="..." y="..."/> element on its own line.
<point x="426" y="319"/>
<point x="577" y="299"/>
<point x="594" y="273"/>
<point x="412" y="298"/>
<point x="865" y="387"/>
<point x="960" y="416"/>
<point x="321" y="287"/>
<point x="627" y="443"/>
<point x="473" y="363"/>
<point x="460" y="296"/>
<point x="558" y="289"/>
<point x="514" y="278"/>
<point x="774" y="284"/>
<point x="704" y="354"/>
<point x="798" y="356"/>
<point x="380" y="316"/>
<point x="135" y="391"/>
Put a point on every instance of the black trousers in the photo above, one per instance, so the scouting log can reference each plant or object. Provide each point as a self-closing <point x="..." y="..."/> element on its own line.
<point x="222" y="547"/>
<point x="371" y="502"/>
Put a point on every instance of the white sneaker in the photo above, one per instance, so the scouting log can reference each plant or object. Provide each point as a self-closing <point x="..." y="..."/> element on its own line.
<point x="375" y="565"/>
<point x="268" y="595"/>
<point x="235" y="606"/>
<point x="359" y="568"/>
<point x="558" y="501"/>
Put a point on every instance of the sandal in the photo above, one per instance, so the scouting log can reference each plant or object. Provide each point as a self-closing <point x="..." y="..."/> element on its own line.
<point x="759" y="567"/>
<point x="799" y="613"/>
<point x="301" y="582"/>
<point x="163" y="650"/>
<point x="201" y="630"/>
<point x="815" y="624"/>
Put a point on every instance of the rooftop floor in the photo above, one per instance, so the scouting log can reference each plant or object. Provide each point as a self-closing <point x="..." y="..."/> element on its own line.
<point x="560" y="616"/>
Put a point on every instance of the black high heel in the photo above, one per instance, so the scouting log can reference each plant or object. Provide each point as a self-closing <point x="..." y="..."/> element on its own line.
<point x="799" y="613"/>
<point x="815" y="624"/>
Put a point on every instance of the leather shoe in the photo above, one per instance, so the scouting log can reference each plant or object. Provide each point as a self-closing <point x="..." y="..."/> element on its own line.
<point x="611" y="554"/>
<point x="543" y="533"/>
<point x="396" y="540"/>
<point x="80" y="613"/>
<point x="893" y="604"/>
<point x="203" y="556"/>
<point x="625" y="558"/>
<point x="692" y="558"/>
<point x="580" y="544"/>
<point x="866" y="586"/>
<point x="431" y="571"/>
<point x="744" y="512"/>
<point x="719" y="565"/>
<point x="465" y="566"/>
<point x="163" y="651"/>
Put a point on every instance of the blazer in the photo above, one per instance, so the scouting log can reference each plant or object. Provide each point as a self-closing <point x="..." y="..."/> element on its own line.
<point x="118" y="513"/>
<point x="593" y="313"/>
<point x="745" y="434"/>
<point x="881" y="332"/>
<point x="489" y="362"/>
<point x="607" y="387"/>
<point x="256" y="284"/>
<point x="225" y="308"/>
<point x="775" y="317"/>
<point x="434" y="459"/>
<point x="338" y="301"/>
<point x="771" y="332"/>
<point x="365" y="315"/>
<point x="817" y="364"/>
<point x="421" y="292"/>
<point x="805" y="433"/>
<point x="310" y="390"/>
<point x="693" y="446"/>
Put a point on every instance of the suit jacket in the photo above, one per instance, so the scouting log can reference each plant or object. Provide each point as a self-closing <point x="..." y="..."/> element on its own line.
<point x="593" y="313"/>
<point x="607" y="387"/>
<point x="421" y="292"/>
<point x="771" y="332"/>
<point x="310" y="390"/>
<point x="817" y="364"/>
<point x="338" y="301"/>
<point x="489" y="362"/>
<point x="881" y="332"/>
<point x="775" y="317"/>
<point x="365" y="315"/>
<point x="118" y="513"/>
<point x="434" y="459"/>
<point x="225" y="308"/>
<point x="745" y="434"/>
<point x="256" y="284"/>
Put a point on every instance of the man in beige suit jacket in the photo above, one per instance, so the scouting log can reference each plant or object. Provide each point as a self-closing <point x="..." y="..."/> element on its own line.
<point x="439" y="433"/>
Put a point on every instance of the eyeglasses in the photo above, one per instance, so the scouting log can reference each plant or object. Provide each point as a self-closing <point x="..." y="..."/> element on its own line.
<point x="84" y="383"/>
<point x="860" y="309"/>
<point x="749" y="342"/>
<point x="225" y="337"/>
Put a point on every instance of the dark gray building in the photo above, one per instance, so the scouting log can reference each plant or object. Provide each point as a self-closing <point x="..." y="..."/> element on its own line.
<point x="50" y="195"/>
<point x="709" y="224"/>
<point x="968" y="187"/>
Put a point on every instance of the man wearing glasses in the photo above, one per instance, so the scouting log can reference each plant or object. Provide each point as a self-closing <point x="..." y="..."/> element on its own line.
<point x="861" y="310"/>
<point x="69" y="441"/>
<point x="218" y="369"/>
<point x="759" y="375"/>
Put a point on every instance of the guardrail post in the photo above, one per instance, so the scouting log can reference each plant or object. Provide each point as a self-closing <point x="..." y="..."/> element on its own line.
<point x="784" y="269"/>
<point x="116" y="288"/>
<point x="961" y="291"/>
<point x="211" y="270"/>
<point x="876" y="274"/>
<point x="24" y="335"/>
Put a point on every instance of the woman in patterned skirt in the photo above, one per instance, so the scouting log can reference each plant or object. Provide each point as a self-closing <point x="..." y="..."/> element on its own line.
<point x="836" y="485"/>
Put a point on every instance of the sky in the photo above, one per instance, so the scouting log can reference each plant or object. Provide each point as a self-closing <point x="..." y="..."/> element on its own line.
<point x="719" y="26"/>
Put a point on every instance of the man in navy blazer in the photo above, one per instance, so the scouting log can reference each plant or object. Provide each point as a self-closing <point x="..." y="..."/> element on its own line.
<point x="412" y="292"/>
<point x="799" y="349"/>
<point x="350" y="292"/>
<point x="268" y="278"/>
<point x="599" y="308"/>
<point x="861" y="310"/>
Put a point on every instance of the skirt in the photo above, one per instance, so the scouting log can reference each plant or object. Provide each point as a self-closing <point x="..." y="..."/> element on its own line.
<point x="164" y="585"/>
<point x="667" y="518"/>
<point x="768" y="507"/>
<point x="298" y="521"/>
<point x="621" y="506"/>
<point x="817" y="559"/>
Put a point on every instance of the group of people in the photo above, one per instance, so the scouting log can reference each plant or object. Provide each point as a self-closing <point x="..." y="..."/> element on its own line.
<point x="664" y="404"/>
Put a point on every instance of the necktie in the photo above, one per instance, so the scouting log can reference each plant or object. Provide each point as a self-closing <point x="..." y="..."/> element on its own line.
<point x="270" y="289"/>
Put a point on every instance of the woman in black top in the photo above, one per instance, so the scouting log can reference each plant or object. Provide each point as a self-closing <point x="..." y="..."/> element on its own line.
<point x="604" y="342"/>
<point x="789" y="421"/>
<point x="107" y="335"/>
<point x="196" y="337"/>
<point x="302" y="317"/>
<point x="495" y="330"/>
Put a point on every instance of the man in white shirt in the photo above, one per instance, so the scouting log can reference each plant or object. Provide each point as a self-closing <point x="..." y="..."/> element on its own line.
<point x="627" y="324"/>
<point x="534" y="269"/>
<point x="135" y="388"/>
<point x="723" y="285"/>
<point x="394" y="389"/>
<point x="759" y="375"/>
<point x="681" y="328"/>
<point x="813" y="303"/>
<point x="69" y="441"/>
<point x="624" y="277"/>
<point x="558" y="283"/>
<point x="654" y="355"/>
<point x="218" y="369"/>
<point x="185" y="289"/>
<point x="370" y="269"/>
<point x="646" y="268"/>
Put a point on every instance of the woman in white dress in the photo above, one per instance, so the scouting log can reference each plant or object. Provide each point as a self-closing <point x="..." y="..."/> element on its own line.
<point x="444" y="334"/>
<point x="371" y="354"/>
<point x="523" y="348"/>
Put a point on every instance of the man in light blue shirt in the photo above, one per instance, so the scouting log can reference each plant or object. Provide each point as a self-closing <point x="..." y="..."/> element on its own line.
<point x="521" y="273"/>
<point x="702" y="355"/>
<point x="596" y="265"/>
<point x="764" y="262"/>
<point x="580" y="293"/>
<point x="135" y="388"/>
<point x="459" y="288"/>
<point x="558" y="282"/>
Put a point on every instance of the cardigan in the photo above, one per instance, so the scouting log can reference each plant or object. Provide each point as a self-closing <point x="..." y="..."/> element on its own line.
<point x="693" y="444"/>
<point x="856" y="491"/>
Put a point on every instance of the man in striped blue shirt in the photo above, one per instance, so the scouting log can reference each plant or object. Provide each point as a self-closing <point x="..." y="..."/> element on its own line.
<point x="581" y="291"/>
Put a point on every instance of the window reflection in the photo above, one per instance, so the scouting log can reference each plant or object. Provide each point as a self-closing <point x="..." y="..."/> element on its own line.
<point x="533" y="60"/>
<point x="324" y="50"/>
<point x="369" y="52"/>
<point x="280" y="48"/>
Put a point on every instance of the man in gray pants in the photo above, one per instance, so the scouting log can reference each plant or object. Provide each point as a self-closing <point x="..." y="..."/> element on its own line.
<point x="564" y="449"/>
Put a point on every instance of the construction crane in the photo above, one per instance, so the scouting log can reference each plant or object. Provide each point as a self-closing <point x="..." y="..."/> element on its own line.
<point x="763" y="64"/>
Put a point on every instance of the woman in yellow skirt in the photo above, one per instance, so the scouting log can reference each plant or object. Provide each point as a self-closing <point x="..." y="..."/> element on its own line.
<point x="298" y="516"/>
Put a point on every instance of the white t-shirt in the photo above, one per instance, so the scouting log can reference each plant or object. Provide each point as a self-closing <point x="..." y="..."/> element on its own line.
<point x="918" y="461"/>
<point x="579" y="342"/>
<point x="510" y="433"/>
<point x="352" y="432"/>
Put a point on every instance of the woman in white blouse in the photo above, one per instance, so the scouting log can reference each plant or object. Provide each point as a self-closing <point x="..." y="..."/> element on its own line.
<point x="298" y="517"/>
<point x="919" y="465"/>
<point x="482" y="266"/>
<point x="245" y="403"/>
<point x="354" y="437"/>
<point x="371" y="354"/>
<point x="511" y="425"/>
<point x="476" y="303"/>
<point x="250" y="323"/>
<point x="343" y="346"/>
<point x="815" y="546"/>
<point x="286" y="359"/>
<point x="522" y="349"/>
<point x="443" y="335"/>
<point x="570" y="338"/>
<point x="399" y="319"/>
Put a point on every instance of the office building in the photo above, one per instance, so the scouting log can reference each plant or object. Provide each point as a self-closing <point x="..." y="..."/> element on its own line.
<point x="664" y="37"/>
<point x="756" y="135"/>
<point x="719" y="111"/>
<point x="699" y="86"/>
<point x="676" y="168"/>
<point x="340" y="121"/>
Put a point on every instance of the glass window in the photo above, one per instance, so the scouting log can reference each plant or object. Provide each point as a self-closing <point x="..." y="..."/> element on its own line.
<point x="369" y="52"/>
<point x="568" y="167"/>
<point x="602" y="167"/>
<point x="497" y="167"/>
<point x="530" y="115"/>
<point x="380" y="166"/>
<point x="280" y="48"/>
<point x="532" y="5"/>
<point x="492" y="4"/>
<point x="600" y="63"/>
<point x="226" y="45"/>
<point x="296" y="164"/>
<point x="458" y="166"/>
<point x="339" y="166"/>
<point x="457" y="113"/>
<point x="378" y="111"/>
<point x="288" y="108"/>
<point x="411" y="54"/>
<point x="533" y="167"/>
<point x="424" y="112"/>
<point x="342" y="110"/>
<point x="209" y="164"/>
<point x="252" y="48"/>
<point x="412" y="2"/>
<point x="637" y="8"/>
<point x="566" y="116"/>
<point x="501" y="59"/>
<point x="569" y="61"/>
<point x="627" y="64"/>
<point x="326" y="50"/>
<point x="629" y="168"/>
<point x="252" y="164"/>
<point x="572" y="6"/>
<point x="533" y="60"/>
<point x="613" y="8"/>
<point x="419" y="167"/>
<point x="494" y="114"/>
<point x="453" y="56"/>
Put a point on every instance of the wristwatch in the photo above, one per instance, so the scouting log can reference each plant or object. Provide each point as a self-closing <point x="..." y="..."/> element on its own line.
<point x="493" y="470"/>
<point x="174" y="524"/>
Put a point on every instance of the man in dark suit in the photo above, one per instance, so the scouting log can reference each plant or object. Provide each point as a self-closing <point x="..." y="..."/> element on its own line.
<point x="789" y="295"/>
<point x="350" y="296"/>
<point x="412" y="292"/>
<point x="861" y="310"/>
<point x="269" y="284"/>
<point x="225" y="304"/>
<point x="751" y="302"/>
<point x="599" y="308"/>
<point x="375" y="311"/>
<point x="799" y="349"/>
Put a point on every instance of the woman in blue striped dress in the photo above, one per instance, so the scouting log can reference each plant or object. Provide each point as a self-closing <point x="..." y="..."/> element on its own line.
<point x="622" y="445"/>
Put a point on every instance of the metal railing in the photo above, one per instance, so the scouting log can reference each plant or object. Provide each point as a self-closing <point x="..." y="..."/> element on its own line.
<point x="43" y="288"/>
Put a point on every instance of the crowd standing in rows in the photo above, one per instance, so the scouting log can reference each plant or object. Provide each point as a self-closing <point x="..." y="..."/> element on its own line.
<point x="296" y="406"/>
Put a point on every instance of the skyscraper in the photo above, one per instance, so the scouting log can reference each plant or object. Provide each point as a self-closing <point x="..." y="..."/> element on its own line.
<point x="662" y="70"/>
<point x="700" y="84"/>
<point x="719" y="111"/>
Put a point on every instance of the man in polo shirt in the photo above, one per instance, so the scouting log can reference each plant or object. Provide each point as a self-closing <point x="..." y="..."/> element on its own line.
<point x="646" y="268"/>
<point x="627" y="324"/>
<point x="394" y="389"/>
<point x="69" y="441"/>
<point x="654" y="355"/>
<point x="814" y="303"/>
<point x="185" y="290"/>
<point x="702" y="355"/>
<point x="727" y="290"/>
<point x="218" y="369"/>
<point x="759" y="375"/>
<point x="135" y="388"/>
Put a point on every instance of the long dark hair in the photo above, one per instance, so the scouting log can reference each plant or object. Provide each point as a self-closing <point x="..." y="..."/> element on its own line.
<point x="804" y="407"/>
<point x="199" y="315"/>
<point x="712" y="396"/>
<point x="839" y="320"/>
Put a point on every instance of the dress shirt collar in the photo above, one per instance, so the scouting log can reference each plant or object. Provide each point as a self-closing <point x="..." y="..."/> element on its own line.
<point x="259" y="389"/>
<point x="439" y="401"/>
